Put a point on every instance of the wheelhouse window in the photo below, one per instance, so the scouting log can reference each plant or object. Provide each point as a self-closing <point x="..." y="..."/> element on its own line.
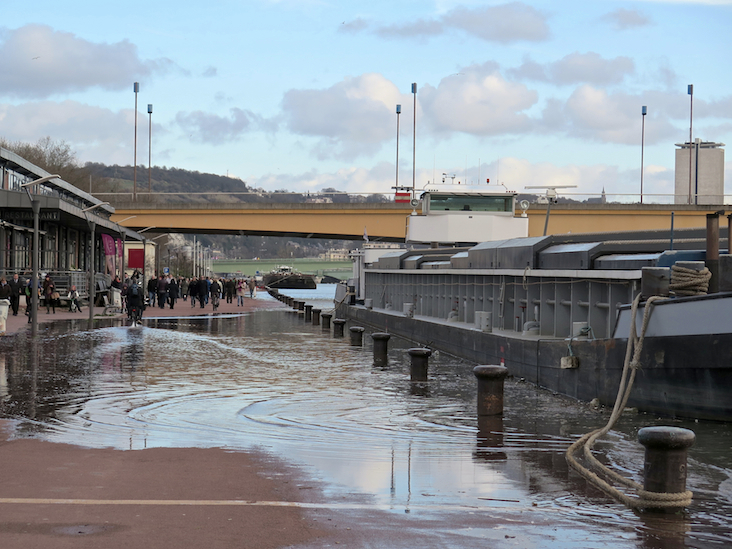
<point x="469" y="203"/>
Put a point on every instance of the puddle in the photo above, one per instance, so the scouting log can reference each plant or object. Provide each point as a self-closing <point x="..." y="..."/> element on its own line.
<point x="267" y="380"/>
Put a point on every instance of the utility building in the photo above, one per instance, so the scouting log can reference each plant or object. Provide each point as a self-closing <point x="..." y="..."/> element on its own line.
<point x="703" y="182"/>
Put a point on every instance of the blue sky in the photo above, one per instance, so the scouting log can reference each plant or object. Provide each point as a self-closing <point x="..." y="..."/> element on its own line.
<point x="301" y="95"/>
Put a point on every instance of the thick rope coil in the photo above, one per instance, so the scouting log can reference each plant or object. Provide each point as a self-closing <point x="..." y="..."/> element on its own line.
<point x="642" y="499"/>
<point x="685" y="282"/>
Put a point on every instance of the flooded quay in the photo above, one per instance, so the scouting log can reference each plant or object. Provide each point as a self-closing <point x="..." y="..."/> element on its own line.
<point x="388" y="455"/>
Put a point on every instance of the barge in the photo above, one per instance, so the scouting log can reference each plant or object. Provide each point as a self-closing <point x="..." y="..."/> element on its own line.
<point x="284" y="277"/>
<point x="555" y="310"/>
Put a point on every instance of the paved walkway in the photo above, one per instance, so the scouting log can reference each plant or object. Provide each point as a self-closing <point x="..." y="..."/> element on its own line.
<point x="61" y="496"/>
<point x="19" y="323"/>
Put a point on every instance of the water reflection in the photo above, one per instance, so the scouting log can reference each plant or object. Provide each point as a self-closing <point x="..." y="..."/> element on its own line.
<point x="269" y="380"/>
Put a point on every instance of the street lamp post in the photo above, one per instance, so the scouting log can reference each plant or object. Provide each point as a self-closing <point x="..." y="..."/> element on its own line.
<point x="136" y="89"/>
<point x="643" y="139"/>
<point x="92" y="277"/>
<point x="144" y="253"/>
<point x="398" y="112"/>
<point x="690" y="91"/>
<point x="35" y="258"/>
<point x="414" y="142"/>
<point x="149" y="152"/>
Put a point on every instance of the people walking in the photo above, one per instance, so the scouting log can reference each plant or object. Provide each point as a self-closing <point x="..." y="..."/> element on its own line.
<point x="16" y="288"/>
<point x="193" y="291"/>
<point x="49" y="294"/>
<point x="152" y="290"/>
<point x="185" y="283"/>
<point x="203" y="291"/>
<point x="172" y="292"/>
<point x="162" y="290"/>
<point x="240" y="292"/>
<point x="252" y="286"/>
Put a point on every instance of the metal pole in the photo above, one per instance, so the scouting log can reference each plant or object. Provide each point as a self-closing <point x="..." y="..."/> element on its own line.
<point x="35" y="260"/>
<point x="193" y="257"/>
<point x="398" y="112"/>
<point x="414" y="143"/>
<point x="690" y="91"/>
<point x="136" y="89"/>
<point x="643" y="140"/>
<point x="92" y="281"/>
<point x="149" y="151"/>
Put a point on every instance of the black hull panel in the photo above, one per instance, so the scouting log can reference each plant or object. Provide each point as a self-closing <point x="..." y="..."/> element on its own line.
<point x="290" y="282"/>
<point x="688" y="376"/>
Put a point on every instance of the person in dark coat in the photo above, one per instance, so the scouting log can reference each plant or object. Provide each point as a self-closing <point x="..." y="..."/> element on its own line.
<point x="16" y="288"/>
<point x="203" y="291"/>
<point x="172" y="292"/>
<point x="193" y="291"/>
<point x="162" y="291"/>
<point x="152" y="290"/>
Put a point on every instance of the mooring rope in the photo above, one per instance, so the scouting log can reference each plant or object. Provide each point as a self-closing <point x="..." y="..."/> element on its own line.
<point x="685" y="282"/>
<point x="643" y="498"/>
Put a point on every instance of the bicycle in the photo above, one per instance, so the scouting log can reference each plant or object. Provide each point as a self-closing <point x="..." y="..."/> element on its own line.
<point x="135" y="316"/>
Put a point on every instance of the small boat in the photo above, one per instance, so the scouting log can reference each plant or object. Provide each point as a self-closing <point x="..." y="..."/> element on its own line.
<point x="284" y="277"/>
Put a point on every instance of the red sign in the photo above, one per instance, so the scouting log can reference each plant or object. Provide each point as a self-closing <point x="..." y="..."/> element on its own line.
<point x="136" y="259"/>
<point x="402" y="197"/>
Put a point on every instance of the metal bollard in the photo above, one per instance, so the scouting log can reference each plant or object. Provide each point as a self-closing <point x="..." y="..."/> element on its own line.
<point x="420" y="360"/>
<point x="316" y="317"/>
<point x="295" y="304"/>
<point x="381" y="348"/>
<point x="490" y="389"/>
<point x="338" y="324"/>
<point x="326" y="320"/>
<point x="308" y="313"/>
<point x="664" y="469"/>
<point x="290" y="300"/>
<point x="301" y="305"/>
<point x="357" y="335"/>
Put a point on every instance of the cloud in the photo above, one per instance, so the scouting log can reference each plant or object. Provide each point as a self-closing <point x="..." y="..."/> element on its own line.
<point x="506" y="23"/>
<point x="214" y="129"/>
<point x="592" y="113"/>
<point x="516" y="174"/>
<point x="377" y="179"/>
<point x="39" y="62"/>
<point x="210" y="72"/>
<point x="351" y="118"/>
<point x="97" y="134"/>
<point x="479" y="101"/>
<point x="577" y="67"/>
<point x="622" y="19"/>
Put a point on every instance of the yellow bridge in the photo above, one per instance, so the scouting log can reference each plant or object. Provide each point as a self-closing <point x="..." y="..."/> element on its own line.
<point x="386" y="222"/>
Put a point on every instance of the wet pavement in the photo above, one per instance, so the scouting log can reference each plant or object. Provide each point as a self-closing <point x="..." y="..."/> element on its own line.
<point x="393" y="463"/>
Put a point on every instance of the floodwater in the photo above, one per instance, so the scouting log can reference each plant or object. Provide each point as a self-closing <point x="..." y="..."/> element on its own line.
<point x="266" y="380"/>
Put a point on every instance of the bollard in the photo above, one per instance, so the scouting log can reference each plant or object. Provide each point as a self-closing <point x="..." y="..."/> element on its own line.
<point x="295" y="304"/>
<point x="381" y="348"/>
<point x="338" y="324"/>
<point x="664" y="469"/>
<point x="316" y="317"/>
<point x="357" y="335"/>
<point x="420" y="359"/>
<point x="490" y="389"/>
<point x="290" y="300"/>
<point x="308" y="313"/>
<point x="326" y="320"/>
<point x="301" y="305"/>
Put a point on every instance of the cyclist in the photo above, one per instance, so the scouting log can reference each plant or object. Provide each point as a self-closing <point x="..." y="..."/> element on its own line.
<point x="215" y="293"/>
<point x="134" y="302"/>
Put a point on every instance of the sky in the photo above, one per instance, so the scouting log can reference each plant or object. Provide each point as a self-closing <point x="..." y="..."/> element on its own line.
<point x="301" y="94"/>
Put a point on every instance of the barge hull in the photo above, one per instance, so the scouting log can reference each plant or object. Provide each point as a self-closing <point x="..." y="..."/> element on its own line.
<point x="689" y="376"/>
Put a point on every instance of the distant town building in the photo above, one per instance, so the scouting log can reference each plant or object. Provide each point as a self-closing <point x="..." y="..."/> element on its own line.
<point x="704" y="183"/>
<point x="335" y="255"/>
